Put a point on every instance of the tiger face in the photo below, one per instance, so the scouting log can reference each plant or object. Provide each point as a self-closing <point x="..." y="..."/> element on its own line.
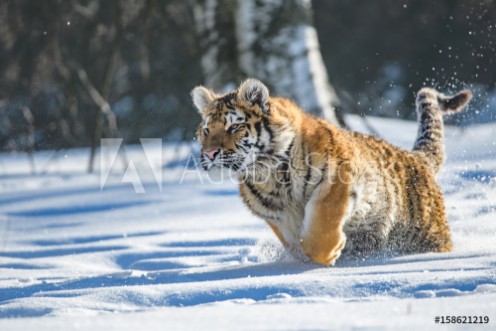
<point x="234" y="132"/>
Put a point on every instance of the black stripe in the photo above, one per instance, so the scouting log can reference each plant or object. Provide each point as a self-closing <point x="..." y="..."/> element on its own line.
<point x="258" y="128"/>
<point x="269" y="130"/>
<point x="243" y="147"/>
<point x="228" y="98"/>
<point x="322" y="171"/>
<point x="261" y="215"/>
<point x="286" y="175"/>
<point x="265" y="217"/>
<point x="267" y="203"/>
<point x="304" y="150"/>
<point x="271" y="136"/>
<point x="308" y="174"/>
<point x="288" y="151"/>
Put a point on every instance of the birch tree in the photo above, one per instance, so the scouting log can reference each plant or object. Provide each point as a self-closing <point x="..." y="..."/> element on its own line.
<point x="271" y="40"/>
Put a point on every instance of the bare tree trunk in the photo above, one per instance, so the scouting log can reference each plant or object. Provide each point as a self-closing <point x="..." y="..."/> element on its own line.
<point x="101" y="98"/>
<point x="273" y="41"/>
<point x="104" y="110"/>
<point x="216" y="31"/>
<point x="278" y="45"/>
<point x="28" y="116"/>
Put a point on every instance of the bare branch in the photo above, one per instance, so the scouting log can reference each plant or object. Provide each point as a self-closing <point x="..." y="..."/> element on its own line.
<point x="97" y="98"/>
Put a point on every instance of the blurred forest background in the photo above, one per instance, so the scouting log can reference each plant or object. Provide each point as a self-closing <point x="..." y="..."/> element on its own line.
<point x="74" y="71"/>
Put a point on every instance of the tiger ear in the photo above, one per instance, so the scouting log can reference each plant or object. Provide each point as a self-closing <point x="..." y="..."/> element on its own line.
<point x="202" y="97"/>
<point x="254" y="92"/>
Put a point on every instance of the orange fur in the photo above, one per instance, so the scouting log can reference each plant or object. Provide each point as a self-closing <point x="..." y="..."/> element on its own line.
<point x="324" y="190"/>
<point x="323" y="239"/>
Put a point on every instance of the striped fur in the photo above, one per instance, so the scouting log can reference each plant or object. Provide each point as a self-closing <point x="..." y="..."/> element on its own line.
<point x="322" y="190"/>
<point x="431" y="106"/>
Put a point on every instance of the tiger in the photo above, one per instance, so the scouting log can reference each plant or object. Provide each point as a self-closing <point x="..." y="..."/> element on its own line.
<point x="324" y="190"/>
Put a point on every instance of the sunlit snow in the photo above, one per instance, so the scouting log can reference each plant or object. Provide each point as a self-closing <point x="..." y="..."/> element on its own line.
<point x="191" y="255"/>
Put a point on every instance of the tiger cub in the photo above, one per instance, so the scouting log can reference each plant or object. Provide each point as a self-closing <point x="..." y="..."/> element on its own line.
<point x="321" y="189"/>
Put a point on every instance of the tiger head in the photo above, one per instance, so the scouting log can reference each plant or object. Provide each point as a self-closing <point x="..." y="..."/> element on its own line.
<point x="236" y="129"/>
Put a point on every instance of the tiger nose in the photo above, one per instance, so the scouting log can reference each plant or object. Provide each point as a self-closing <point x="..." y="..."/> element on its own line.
<point x="212" y="153"/>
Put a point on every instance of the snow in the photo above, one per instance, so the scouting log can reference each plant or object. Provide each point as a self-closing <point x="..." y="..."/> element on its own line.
<point x="187" y="254"/>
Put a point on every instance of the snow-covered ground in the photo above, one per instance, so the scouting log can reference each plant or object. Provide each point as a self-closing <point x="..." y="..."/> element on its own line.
<point x="191" y="256"/>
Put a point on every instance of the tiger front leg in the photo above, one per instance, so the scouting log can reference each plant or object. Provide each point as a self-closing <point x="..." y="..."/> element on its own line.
<point x="278" y="234"/>
<point x="322" y="238"/>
